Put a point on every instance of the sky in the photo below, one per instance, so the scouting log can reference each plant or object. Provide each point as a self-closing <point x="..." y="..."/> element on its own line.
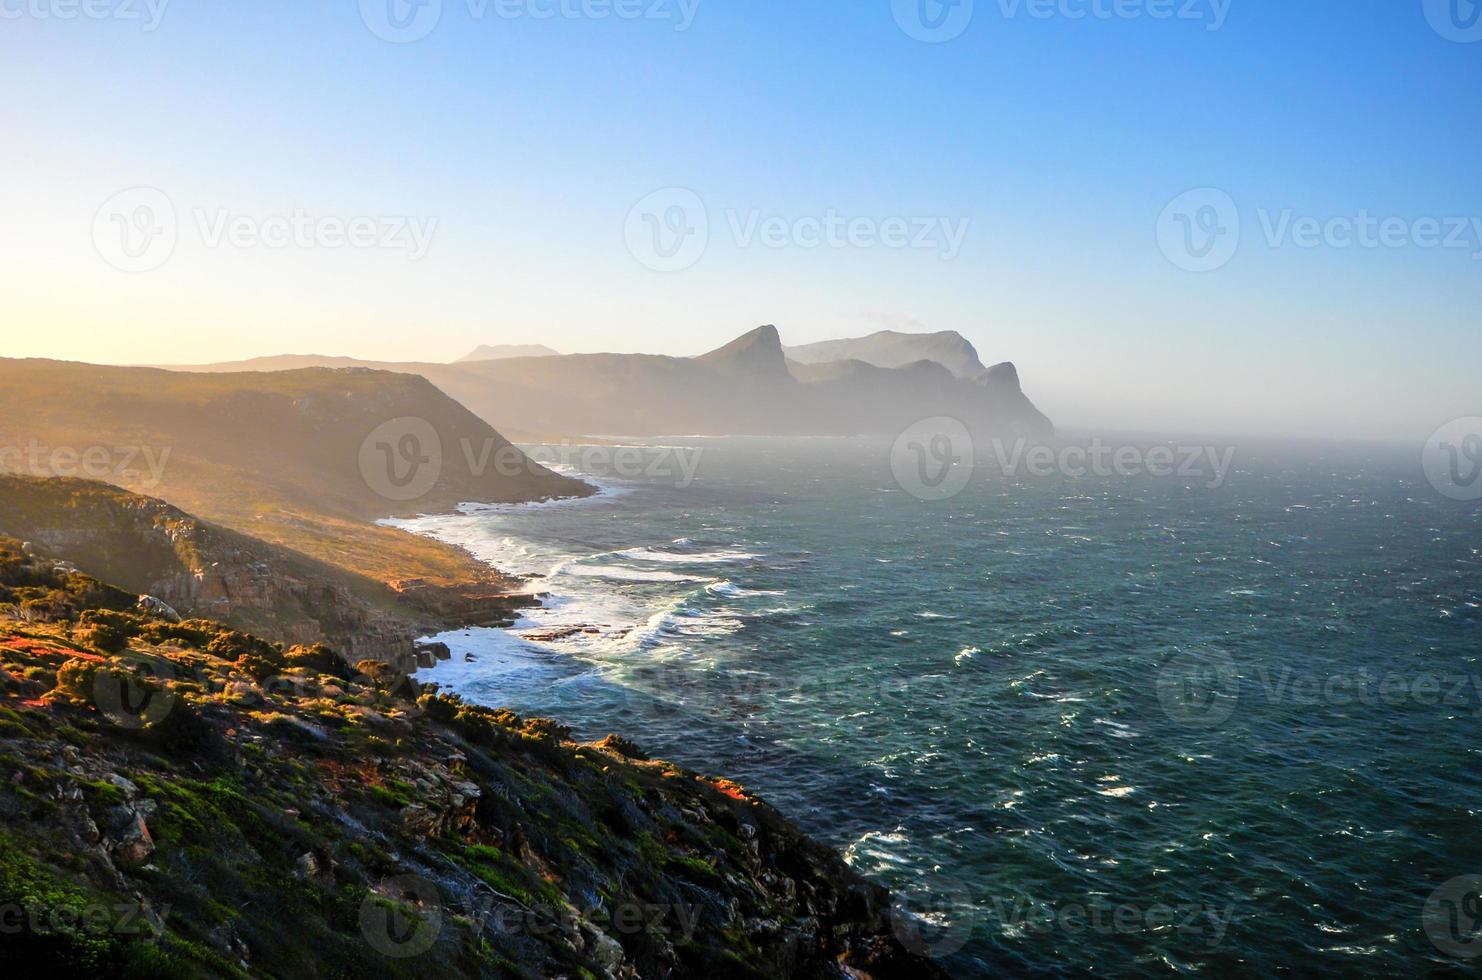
<point x="1224" y="216"/>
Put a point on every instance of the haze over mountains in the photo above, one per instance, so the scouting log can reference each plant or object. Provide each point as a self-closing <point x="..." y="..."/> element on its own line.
<point x="875" y="385"/>
<point x="498" y="352"/>
<point x="893" y="349"/>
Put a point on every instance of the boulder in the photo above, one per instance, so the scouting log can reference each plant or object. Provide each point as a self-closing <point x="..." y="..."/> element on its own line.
<point x="157" y="607"/>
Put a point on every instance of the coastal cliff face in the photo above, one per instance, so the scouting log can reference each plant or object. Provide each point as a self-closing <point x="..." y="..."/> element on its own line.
<point x="201" y="570"/>
<point x="181" y="799"/>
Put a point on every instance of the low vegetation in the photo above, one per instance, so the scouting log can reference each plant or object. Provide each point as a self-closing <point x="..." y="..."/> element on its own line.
<point x="184" y="799"/>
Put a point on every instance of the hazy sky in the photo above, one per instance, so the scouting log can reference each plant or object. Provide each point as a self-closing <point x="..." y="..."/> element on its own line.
<point x="1023" y="183"/>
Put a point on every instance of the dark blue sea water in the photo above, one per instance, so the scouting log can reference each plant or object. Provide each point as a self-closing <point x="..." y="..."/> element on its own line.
<point x="1131" y="725"/>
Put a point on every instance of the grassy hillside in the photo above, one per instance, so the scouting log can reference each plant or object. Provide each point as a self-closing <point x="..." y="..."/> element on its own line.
<point x="297" y="458"/>
<point x="183" y="800"/>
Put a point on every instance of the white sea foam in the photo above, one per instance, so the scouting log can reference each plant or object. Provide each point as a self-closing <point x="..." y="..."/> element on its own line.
<point x="480" y="654"/>
<point x="621" y="573"/>
<point x="599" y="608"/>
<point x="725" y="587"/>
<point x="676" y="558"/>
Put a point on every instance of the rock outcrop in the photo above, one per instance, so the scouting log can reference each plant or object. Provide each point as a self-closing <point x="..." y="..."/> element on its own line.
<point x="254" y="811"/>
<point x="181" y="565"/>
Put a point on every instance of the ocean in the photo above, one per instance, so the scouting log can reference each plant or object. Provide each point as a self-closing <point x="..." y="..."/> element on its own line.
<point x="1138" y="723"/>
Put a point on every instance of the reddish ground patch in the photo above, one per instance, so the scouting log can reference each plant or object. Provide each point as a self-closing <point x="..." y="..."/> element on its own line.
<point x="335" y="774"/>
<point x="37" y="648"/>
<point x="733" y="790"/>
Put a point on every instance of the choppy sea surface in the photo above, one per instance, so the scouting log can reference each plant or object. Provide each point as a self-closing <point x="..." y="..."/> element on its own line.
<point x="1129" y="725"/>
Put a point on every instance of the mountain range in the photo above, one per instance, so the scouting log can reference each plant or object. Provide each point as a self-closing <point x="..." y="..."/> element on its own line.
<point x="876" y="385"/>
<point x="893" y="349"/>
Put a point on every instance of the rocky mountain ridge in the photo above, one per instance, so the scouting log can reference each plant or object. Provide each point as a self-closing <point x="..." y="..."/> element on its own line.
<point x="747" y="387"/>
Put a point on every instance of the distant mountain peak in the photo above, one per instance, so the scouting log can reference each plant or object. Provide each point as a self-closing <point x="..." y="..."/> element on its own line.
<point x="893" y="349"/>
<point x="758" y="353"/>
<point x="1001" y="375"/>
<point x="500" y="352"/>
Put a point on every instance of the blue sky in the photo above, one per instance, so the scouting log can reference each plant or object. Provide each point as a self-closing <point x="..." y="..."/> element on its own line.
<point x="524" y="144"/>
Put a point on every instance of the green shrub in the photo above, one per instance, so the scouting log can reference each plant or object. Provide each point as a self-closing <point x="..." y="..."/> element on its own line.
<point x="318" y="658"/>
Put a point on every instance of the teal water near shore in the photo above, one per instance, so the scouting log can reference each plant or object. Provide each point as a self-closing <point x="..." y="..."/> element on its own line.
<point x="1131" y="725"/>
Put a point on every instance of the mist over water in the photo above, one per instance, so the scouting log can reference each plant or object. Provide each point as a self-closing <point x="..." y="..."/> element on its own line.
<point x="1071" y="721"/>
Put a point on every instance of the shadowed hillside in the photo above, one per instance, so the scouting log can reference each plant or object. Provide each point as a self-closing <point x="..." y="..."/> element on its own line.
<point x="304" y="459"/>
